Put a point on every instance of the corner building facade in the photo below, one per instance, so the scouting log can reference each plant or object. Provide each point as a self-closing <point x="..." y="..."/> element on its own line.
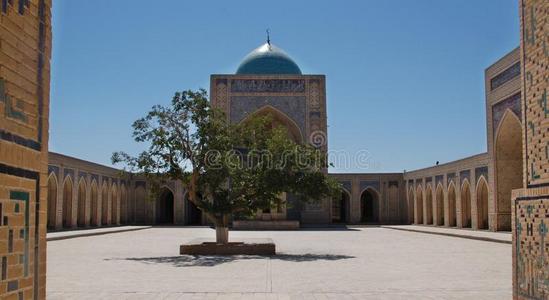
<point x="25" y="50"/>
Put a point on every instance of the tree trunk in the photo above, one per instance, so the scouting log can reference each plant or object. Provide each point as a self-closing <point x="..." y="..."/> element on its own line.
<point x="221" y="234"/>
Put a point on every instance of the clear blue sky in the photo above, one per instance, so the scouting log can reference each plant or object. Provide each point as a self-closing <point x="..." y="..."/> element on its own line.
<point x="405" y="79"/>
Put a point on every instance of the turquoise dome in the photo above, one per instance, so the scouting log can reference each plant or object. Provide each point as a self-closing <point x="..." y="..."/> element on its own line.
<point x="268" y="59"/>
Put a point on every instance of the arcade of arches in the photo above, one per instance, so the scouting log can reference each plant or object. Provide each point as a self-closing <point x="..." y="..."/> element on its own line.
<point x="474" y="192"/>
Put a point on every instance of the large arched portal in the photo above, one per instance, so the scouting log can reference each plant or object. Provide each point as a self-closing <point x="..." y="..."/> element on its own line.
<point x="508" y="163"/>
<point x="482" y="204"/>
<point x="81" y="221"/>
<point x="340" y="208"/>
<point x="411" y="208"/>
<point x="429" y="205"/>
<point x="193" y="214"/>
<point x="369" y="206"/>
<point x="94" y="205"/>
<point x="465" y="205"/>
<point x="440" y="205"/>
<point x="419" y="205"/>
<point x="164" y="207"/>
<point x="452" y="205"/>
<point x="279" y="119"/>
<point x="52" y="201"/>
<point x="67" y="203"/>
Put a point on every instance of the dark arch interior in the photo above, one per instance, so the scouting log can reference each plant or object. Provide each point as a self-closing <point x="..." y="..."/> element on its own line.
<point x="193" y="215"/>
<point x="164" y="208"/>
<point x="340" y="207"/>
<point x="369" y="207"/>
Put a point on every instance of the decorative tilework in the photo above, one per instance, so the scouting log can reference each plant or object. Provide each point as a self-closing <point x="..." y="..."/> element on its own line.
<point x="346" y="185"/>
<point x="531" y="266"/>
<point x="292" y="106"/>
<point x="481" y="171"/>
<point x="267" y="86"/>
<point x="54" y="170"/>
<point x="439" y="179"/>
<point x="428" y="179"/>
<point x="498" y="110"/>
<point x="505" y="76"/>
<point x="450" y="177"/>
<point x="465" y="174"/>
<point x="369" y="183"/>
<point x="69" y="172"/>
<point x="82" y="174"/>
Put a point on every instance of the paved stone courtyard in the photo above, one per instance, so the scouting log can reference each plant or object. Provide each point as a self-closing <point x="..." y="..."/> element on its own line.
<point x="353" y="263"/>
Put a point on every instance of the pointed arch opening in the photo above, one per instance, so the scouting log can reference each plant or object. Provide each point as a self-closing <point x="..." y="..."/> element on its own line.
<point x="465" y="196"/>
<point x="81" y="216"/>
<point x="94" y="204"/>
<point x="67" y="203"/>
<point x="411" y="206"/>
<point x="52" y="201"/>
<point x="452" y="205"/>
<point x="482" y="204"/>
<point x="508" y="165"/>
<point x="440" y="205"/>
<point x="369" y="206"/>
<point x="104" y="205"/>
<point x="279" y="119"/>
<point x="193" y="214"/>
<point x="340" y="208"/>
<point x="123" y="205"/>
<point x="419" y="205"/>
<point x="429" y="205"/>
<point x="114" y="206"/>
<point x="165" y="207"/>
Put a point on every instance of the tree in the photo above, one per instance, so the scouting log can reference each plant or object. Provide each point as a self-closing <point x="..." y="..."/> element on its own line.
<point x="227" y="169"/>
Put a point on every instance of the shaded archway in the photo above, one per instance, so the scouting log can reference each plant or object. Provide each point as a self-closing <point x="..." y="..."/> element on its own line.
<point x="67" y="203"/>
<point x="123" y="205"/>
<point x="140" y="195"/>
<point x="193" y="214"/>
<point x="482" y="204"/>
<point x="52" y="201"/>
<point x="279" y="119"/>
<point x="114" y="206"/>
<point x="94" y="204"/>
<point x="465" y="196"/>
<point x="164" y="207"/>
<point x="340" y="208"/>
<point x="419" y="205"/>
<point x="81" y="216"/>
<point x="429" y="205"/>
<point x="411" y="208"/>
<point x="508" y="164"/>
<point x="440" y="205"/>
<point x="369" y="206"/>
<point x="451" y="205"/>
<point x="104" y="205"/>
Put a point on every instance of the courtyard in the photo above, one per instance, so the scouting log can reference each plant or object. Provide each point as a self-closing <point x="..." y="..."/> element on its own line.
<point x="316" y="263"/>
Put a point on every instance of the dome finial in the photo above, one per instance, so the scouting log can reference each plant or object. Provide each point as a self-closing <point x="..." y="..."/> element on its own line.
<point x="268" y="36"/>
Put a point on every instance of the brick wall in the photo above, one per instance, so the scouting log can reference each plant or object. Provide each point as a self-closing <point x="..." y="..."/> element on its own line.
<point x="25" y="50"/>
<point x="531" y="203"/>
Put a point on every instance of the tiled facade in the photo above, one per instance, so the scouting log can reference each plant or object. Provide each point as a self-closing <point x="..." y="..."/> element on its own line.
<point x="531" y="203"/>
<point x="25" y="51"/>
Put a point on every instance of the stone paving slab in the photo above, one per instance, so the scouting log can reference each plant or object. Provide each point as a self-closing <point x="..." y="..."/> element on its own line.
<point x="349" y="263"/>
<point x="499" y="237"/>
<point x="61" y="235"/>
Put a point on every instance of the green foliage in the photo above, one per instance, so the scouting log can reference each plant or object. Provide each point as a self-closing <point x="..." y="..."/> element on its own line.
<point x="236" y="169"/>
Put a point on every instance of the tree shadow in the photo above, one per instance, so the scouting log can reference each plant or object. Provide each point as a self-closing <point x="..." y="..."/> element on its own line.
<point x="214" y="260"/>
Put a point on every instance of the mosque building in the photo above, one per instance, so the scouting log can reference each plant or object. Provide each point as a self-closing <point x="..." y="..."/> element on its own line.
<point x="473" y="192"/>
